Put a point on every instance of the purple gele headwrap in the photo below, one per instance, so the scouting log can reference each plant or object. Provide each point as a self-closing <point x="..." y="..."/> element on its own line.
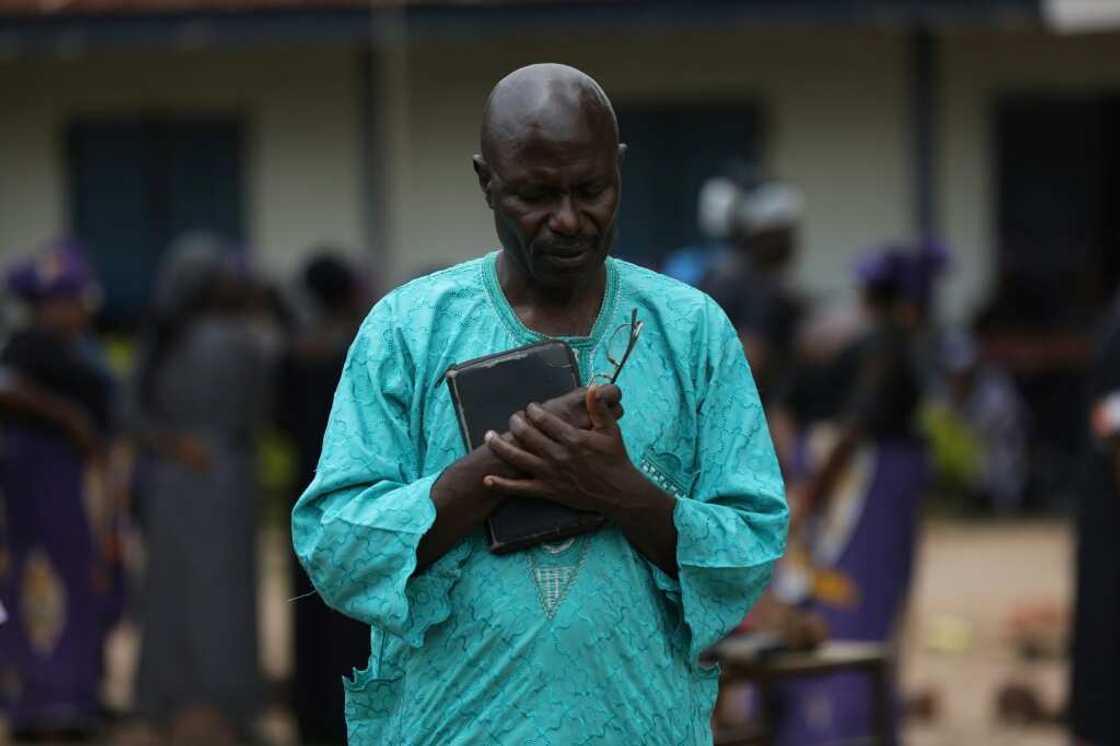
<point x="928" y="260"/>
<point x="908" y="268"/>
<point x="60" y="271"/>
<point x="884" y="265"/>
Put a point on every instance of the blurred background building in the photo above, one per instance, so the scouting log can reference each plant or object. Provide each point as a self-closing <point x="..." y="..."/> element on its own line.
<point x="992" y="126"/>
<point x="282" y="124"/>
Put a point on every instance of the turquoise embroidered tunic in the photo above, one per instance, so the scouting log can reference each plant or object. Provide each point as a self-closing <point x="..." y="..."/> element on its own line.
<point x="584" y="642"/>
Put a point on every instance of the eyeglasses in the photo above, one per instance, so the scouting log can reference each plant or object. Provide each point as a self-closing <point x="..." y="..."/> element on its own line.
<point x="619" y="347"/>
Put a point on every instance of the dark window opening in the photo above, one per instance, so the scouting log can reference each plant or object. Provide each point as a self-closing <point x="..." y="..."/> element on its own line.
<point x="137" y="184"/>
<point x="1058" y="212"/>
<point x="1058" y="264"/>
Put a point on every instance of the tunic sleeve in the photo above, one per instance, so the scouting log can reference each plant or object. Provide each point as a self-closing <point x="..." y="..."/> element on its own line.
<point x="732" y="527"/>
<point x="356" y="527"/>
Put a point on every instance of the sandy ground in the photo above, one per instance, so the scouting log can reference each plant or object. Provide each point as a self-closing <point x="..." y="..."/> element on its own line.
<point x="970" y="580"/>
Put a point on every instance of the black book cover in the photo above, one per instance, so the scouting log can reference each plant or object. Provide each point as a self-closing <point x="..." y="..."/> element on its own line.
<point x="486" y="392"/>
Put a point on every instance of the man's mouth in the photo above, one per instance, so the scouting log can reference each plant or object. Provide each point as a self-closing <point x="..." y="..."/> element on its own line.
<point x="567" y="260"/>
<point x="566" y="256"/>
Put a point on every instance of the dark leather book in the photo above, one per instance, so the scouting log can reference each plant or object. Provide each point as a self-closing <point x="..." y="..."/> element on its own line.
<point x="486" y="392"/>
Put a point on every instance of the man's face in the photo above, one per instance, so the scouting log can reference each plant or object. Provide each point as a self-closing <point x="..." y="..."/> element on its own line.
<point x="554" y="202"/>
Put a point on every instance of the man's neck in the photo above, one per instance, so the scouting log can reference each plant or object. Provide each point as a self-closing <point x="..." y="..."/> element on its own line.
<point x="556" y="312"/>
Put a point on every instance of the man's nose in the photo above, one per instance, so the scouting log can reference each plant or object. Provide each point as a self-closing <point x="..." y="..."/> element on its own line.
<point x="564" y="219"/>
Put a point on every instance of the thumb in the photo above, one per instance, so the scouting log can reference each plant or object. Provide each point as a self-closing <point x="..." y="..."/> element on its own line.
<point x="598" y="410"/>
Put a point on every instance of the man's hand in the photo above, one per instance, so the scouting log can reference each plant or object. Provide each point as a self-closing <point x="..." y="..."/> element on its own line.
<point x="586" y="469"/>
<point x="461" y="499"/>
<point x="798" y="498"/>
<point x="573" y="408"/>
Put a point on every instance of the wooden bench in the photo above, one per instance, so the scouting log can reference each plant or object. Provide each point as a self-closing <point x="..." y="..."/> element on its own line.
<point x="741" y="662"/>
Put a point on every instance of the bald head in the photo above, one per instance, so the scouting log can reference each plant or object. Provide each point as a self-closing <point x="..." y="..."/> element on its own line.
<point x="550" y="172"/>
<point x="545" y="101"/>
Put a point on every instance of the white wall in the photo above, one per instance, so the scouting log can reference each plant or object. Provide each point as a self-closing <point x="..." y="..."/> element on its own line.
<point x="975" y="68"/>
<point x="834" y="101"/>
<point x="299" y="105"/>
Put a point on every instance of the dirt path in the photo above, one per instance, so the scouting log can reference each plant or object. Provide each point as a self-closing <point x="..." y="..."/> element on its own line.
<point x="970" y="580"/>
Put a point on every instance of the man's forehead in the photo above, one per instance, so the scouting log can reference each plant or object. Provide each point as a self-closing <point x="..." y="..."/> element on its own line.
<point x="548" y="124"/>
<point x="539" y="156"/>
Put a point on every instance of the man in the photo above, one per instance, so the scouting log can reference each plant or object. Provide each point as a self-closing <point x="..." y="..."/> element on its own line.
<point x="597" y="639"/>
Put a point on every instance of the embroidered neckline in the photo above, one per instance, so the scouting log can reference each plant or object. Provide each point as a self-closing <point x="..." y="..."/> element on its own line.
<point x="553" y="581"/>
<point x="498" y="298"/>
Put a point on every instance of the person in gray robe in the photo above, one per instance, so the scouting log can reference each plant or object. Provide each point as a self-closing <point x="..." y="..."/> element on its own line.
<point x="201" y="396"/>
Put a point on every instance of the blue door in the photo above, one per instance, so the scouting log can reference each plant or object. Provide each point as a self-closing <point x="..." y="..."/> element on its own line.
<point x="137" y="184"/>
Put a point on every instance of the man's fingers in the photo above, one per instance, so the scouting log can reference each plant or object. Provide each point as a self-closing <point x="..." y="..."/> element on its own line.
<point x="513" y="454"/>
<point x="518" y="487"/>
<point x="532" y="439"/>
<point x="572" y="406"/>
<point x="553" y="426"/>
<point x="610" y="393"/>
<point x="598" y="407"/>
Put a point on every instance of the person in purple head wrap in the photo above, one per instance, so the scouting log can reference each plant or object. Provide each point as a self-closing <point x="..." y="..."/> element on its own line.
<point x="57" y="583"/>
<point x="859" y="478"/>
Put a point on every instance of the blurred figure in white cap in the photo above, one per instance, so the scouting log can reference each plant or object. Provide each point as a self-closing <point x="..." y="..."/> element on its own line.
<point x="759" y="224"/>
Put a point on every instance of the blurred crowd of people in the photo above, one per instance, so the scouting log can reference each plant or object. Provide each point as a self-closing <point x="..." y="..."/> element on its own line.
<point x="875" y="406"/>
<point x="137" y="492"/>
<point x="872" y="404"/>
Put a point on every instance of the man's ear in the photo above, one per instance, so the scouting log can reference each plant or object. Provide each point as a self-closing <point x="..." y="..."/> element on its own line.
<point x="485" y="176"/>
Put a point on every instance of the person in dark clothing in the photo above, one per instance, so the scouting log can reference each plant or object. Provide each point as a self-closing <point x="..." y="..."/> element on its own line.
<point x="58" y="584"/>
<point x="748" y="279"/>
<point x="1094" y="717"/>
<point x="329" y="645"/>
